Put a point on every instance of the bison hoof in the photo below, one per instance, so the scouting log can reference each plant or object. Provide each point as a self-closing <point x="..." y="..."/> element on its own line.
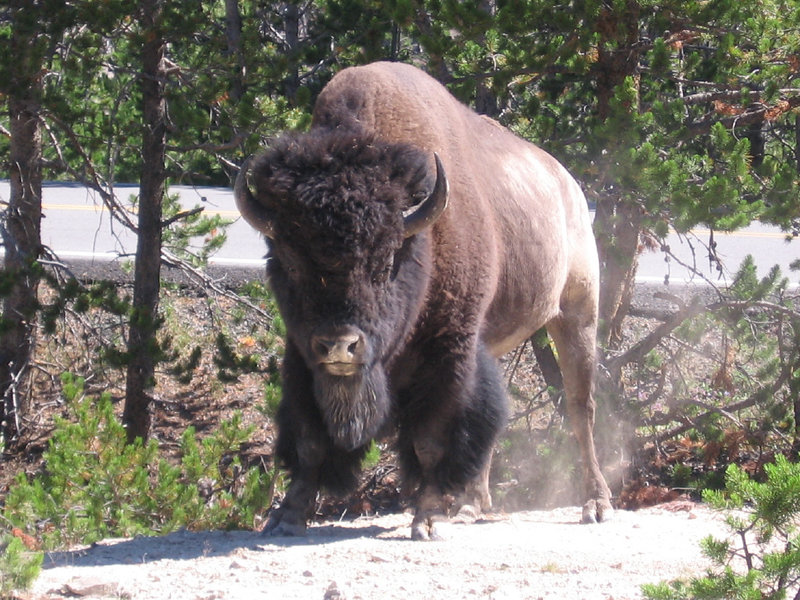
<point x="468" y="513"/>
<point x="429" y="529"/>
<point x="282" y="524"/>
<point x="597" y="511"/>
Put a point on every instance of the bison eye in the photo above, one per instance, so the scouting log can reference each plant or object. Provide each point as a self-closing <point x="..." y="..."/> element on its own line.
<point x="287" y="263"/>
<point x="387" y="270"/>
<point x="288" y="268"/>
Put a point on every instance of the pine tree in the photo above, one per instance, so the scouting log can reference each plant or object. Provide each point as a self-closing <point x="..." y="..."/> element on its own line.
<point x="670" y="113"/>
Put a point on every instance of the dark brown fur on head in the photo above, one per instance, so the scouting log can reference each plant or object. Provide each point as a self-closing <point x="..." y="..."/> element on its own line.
<point x="341" y="188"/>
<point x="339" y="258"/>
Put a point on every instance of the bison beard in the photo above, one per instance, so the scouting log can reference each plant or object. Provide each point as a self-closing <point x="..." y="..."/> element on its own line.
<point x="353" y="408"/>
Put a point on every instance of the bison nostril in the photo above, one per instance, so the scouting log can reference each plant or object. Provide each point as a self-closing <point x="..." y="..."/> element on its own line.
<point x="344" y="348"/>
<point x="321" y="347"/>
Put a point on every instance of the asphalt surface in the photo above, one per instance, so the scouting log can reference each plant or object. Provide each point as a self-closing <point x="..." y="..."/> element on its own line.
<point x="79" y="230"/>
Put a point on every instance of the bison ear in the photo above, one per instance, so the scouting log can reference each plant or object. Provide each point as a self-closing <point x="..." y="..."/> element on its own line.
<point x="250" y="208"/>
<point x="423" y="215"/>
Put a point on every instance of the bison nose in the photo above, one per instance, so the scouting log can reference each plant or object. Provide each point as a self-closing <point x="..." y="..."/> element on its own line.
<point x="342" y="347"/>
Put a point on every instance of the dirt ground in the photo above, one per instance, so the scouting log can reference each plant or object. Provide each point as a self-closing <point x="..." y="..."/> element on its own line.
<point x="509" y="554"/>
<point x="531" y="554"/>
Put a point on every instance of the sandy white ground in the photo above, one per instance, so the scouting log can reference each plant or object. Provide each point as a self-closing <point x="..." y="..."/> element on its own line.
<point x="536" y="554"/>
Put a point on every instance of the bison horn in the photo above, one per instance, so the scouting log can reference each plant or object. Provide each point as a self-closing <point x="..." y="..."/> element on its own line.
<point x="250" y="208"/>
<point x="424" y="214"/>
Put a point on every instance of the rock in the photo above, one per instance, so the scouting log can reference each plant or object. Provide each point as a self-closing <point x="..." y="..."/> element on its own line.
<point x="334" y="592"/>
<point x="88" y="587"/>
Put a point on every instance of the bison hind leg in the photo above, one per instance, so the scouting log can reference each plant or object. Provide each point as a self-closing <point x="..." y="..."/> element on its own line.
<point x="574" y="336"/>
<point x="477" y="498"/>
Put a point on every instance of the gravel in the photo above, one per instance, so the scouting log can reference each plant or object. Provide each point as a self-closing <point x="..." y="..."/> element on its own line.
<point x="532" y="554"/>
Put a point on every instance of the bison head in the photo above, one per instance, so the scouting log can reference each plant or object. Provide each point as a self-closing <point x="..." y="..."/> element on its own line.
<point x="343" y="214"/>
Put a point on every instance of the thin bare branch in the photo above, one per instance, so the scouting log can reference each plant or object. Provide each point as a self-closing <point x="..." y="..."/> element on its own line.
<point x="639" y="350"/>
<point x="231" y="144"/>
<point x="203" y="279"/>
<point x="753" y="115"/>
<point x="184" y="214"/>
<point x="94" y="180"/>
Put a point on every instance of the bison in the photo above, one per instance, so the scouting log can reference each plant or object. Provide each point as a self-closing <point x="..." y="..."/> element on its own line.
<point x="411" y="242"/>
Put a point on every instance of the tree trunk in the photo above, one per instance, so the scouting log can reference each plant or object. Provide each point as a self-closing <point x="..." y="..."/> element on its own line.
<point x="233" y="33"/>
<point x="797" y="141"/>
<point x="291" y="25"/>
<point x="21" y="232"/>
<point x="794" y="388"/>
<point x="618" y="225"/>
<point x="143" y="347"/>
<point x="436" y="63"/>
<point x="618" y="221"/>
<point x="543" y="351"/>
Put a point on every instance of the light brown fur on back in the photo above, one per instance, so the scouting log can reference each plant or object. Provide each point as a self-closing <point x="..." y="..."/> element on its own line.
<point x="517" y="229"/>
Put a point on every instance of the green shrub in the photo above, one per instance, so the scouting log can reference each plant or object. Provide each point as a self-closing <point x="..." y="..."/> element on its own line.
<point x="373" y="456"/>
<point x="94" y="485"/>
<point x="764" y="562"/>
<point x="18" y="566"/>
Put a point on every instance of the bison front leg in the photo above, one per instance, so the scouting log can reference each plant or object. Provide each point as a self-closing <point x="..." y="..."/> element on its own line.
<point x="477" y="498"/>
<point x="301" y="448"/>
<point x="434" y="506"/>
<point x="325" y="466"/>
<point x="291" y="518"/>
<point x="304" y="456"/>
<point x="305" y="447"/>
<point x="452" y="429"/>
<point x="431" y="504"/>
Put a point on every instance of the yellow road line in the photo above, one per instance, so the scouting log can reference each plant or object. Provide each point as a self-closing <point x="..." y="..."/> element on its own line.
<point x="73" y="207"/>
<point x="751" y="234"/>
<point x="46" y="206"/>
<point x="49" y="206"/>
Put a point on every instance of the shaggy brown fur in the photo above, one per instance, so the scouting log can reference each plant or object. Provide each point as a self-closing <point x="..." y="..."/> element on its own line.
<point x="413" y="323"/>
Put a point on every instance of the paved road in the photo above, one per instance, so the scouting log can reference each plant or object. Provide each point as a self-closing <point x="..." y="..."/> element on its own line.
<point x="79" y="230"/>
<point x="767" y="244"/>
